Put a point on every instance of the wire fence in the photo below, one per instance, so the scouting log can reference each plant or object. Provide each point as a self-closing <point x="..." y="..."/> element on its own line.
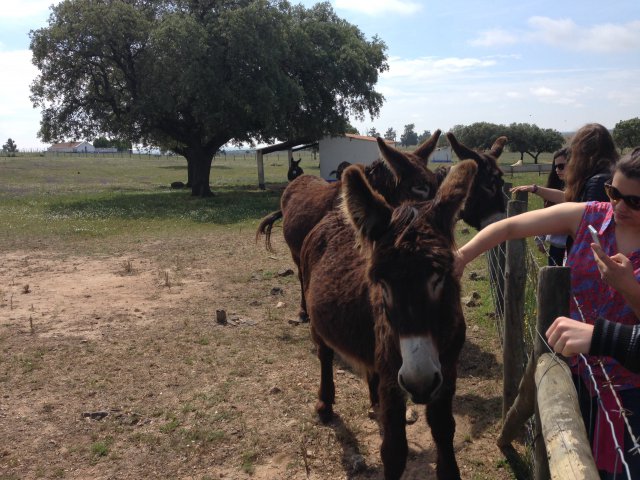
<point x="502" y="278"/>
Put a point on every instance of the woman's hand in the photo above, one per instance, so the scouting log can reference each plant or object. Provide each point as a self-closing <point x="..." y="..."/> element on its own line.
<point x="523" y="188"/>
<point x="569" y="337"/>
<point x="616" y="271"/>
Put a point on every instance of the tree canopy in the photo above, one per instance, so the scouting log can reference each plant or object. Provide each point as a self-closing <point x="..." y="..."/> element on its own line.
<point x="626" y="133"/>
<point x="409" y="136"/>
<point x="523" y="137"/>
<point x="191" y="76"/>
<point x="10" y="147"/>
<point x="390" y="134"/>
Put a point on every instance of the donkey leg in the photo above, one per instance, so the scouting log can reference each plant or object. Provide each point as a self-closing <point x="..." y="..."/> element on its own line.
<point x="443" y="426"/>
<point x="373" y="382"/>
<point x="303" y="316"/>
<point x="327" y="390"/>
<point x="394" y="448"/>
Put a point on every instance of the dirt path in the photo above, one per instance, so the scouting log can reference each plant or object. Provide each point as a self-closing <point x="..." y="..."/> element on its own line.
<point x="114" y="367"/>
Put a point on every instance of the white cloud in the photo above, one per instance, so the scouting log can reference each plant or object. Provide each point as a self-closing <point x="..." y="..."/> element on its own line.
<point x="490" y="38"/>
<point x="422" y="68"/>
<point x="544" y="92"/>
<point x="567" y="35"/>
<point x="604" y="38"/>
<point x="375" y="7"/>
<point x="26" y="8"/>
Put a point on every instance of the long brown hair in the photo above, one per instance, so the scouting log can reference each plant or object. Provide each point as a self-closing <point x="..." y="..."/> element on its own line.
<point x="592" y="151"/>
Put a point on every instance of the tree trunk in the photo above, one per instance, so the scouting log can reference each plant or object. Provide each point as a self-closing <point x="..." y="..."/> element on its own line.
<point x="189" y="174"/>
<point x="199" y="161"/>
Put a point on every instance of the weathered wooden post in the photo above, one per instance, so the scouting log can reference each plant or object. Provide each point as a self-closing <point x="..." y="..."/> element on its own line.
<point x="261" y="184"/>
<point x="554" y="289"/>
<point x="513" y="349"/>
<point x="565" y="436"/>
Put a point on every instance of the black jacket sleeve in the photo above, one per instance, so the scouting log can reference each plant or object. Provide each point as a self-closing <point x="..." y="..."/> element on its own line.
<point x="593" y="189"/>
<point x="619" y="341"/>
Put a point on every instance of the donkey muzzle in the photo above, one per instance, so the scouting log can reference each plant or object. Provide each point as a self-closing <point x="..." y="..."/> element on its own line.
<point x="420" y="374"/>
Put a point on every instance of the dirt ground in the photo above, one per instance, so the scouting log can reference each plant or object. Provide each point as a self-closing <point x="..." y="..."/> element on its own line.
<point x="113" y="366"/>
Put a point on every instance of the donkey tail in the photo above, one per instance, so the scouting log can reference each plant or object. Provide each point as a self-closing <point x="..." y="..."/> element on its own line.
<point x="265" y="228"/>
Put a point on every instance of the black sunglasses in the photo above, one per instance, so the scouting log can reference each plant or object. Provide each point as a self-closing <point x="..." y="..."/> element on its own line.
<point x="560" y="166"/>
<point x="633" y="201"/>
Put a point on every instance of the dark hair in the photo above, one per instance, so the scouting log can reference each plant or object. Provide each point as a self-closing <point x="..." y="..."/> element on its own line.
<point x="553" y="180"/>
<point x="629" y="165"/>
<point x="592" y="151"/>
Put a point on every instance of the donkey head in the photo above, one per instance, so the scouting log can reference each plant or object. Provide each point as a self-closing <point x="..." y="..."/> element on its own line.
<point x="403" y="176"/>
<point x="338" y="171"/>
<point x="295" y="170"/>
<point x="413" y="290"/>
<point x="487" y="202"/>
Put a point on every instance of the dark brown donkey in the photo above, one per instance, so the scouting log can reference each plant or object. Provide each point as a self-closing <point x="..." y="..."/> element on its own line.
<point x="308" y="198"/>
<point x="391" y="307"/>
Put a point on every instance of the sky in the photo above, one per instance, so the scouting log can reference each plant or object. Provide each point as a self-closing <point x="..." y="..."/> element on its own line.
<point x="556" y="64"/>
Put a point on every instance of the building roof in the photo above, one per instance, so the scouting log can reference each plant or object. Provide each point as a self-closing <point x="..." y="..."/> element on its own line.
<point x="364" y="137"/>
<point x="66" y="145"/>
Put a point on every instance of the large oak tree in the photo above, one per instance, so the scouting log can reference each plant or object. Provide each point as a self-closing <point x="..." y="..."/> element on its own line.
<point x="193" y="75"/>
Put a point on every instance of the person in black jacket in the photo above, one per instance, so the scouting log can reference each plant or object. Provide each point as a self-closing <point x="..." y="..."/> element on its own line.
<point x="593" y="156"/>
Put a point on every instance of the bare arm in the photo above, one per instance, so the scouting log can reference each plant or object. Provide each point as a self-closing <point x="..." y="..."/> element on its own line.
<point x="549" y="194"/>
<point x="562" y="219"/>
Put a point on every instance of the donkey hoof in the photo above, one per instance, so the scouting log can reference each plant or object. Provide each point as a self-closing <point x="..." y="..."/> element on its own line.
<point x="324" y="411"/>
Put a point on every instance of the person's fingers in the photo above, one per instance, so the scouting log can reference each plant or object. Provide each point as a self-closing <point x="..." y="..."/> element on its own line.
<point x="554" y="331"/>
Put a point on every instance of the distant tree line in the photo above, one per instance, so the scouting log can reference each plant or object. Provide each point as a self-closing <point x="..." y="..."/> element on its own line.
<point x="121" y="145"/>
<point x="524" y="138"/>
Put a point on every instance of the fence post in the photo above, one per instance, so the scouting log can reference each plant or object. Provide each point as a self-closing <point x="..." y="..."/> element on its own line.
<point x="554" y="288"/>
<point x="513" y="352"/>
<point x="565" y="436"/>
<point x="261" y="184"/>
<point x="496" y="260"/>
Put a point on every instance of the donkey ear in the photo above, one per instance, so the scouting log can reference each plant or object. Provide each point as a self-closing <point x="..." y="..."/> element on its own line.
<point x="462" y="152"/>
<point x="425" y="150"/>
<point x="453" y="193"/>
<point x="366" y="210"/>
<point x="394" y="159"/>
<point x="498" y="146"/>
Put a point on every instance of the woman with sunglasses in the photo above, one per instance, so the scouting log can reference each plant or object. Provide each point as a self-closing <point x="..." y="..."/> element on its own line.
<point x="553" y="191"/>
<point x="593" y="154"/>
<point x="555" y="183"/>
<point x="608" y="289"/>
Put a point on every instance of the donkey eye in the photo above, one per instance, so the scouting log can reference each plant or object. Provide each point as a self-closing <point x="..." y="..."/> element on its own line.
<point x="435" y="284"/>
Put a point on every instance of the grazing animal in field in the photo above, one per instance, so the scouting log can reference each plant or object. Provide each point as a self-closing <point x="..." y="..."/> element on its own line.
<point x="308" y="198"/>
<point x="295" y="170"/>
<point x="391" y="306"/>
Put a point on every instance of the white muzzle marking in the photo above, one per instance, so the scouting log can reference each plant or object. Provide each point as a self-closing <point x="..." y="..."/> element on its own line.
<point x="420" y="374"/>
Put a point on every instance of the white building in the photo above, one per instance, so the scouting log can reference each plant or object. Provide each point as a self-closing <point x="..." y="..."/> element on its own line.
<point x="347" y="148"/>
<point x="72" y="147"/>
